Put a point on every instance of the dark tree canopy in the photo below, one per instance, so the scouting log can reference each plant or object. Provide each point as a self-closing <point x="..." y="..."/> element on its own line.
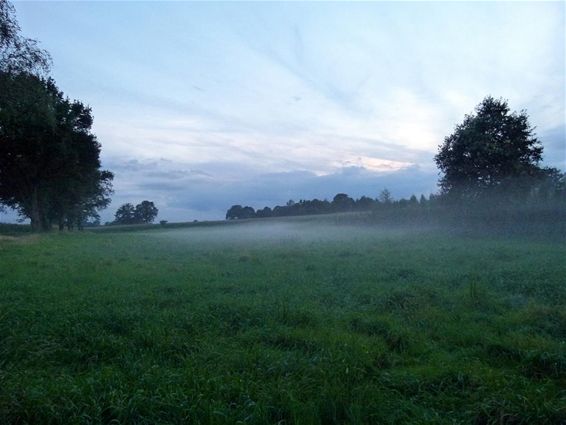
<point x="125" y="214"/>
<point x="49" y="159"/>
<point x="146" y="212"/>
<point x="239" y="212"/>
<point x="342" y="202"/>
<point x="492" y="149"/>
<point x="143" y="213"/>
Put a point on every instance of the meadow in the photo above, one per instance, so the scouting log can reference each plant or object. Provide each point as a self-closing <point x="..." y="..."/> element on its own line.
<point x="282" y="322"/>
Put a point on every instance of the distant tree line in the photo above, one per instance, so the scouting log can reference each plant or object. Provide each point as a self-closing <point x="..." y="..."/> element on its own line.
<point x="341" y="203"/>
<point x="50" y="169"/>
<point x="492" y="159"/>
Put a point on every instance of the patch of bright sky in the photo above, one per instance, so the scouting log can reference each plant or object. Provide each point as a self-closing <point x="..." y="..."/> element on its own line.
<point x="297" y="87"/>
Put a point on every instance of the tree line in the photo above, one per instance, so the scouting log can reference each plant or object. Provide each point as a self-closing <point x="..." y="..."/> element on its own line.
<point x="493" y="158"/>
<point x="340" y="203"/>
<point x="50" y="169"/>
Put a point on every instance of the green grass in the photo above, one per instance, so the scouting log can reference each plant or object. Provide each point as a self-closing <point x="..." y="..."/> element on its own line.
<point x="284" y="322"/>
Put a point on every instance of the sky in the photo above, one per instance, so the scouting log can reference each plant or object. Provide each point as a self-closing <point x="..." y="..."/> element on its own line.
<point x="202" y="105"/>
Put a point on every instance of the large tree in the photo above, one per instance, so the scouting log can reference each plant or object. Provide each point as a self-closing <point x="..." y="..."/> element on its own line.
<point x="492" y="151"/>
<point x="49" y="159"/>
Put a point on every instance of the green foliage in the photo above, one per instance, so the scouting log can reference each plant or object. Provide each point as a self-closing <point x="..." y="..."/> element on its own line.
<point x="295" y="320"/>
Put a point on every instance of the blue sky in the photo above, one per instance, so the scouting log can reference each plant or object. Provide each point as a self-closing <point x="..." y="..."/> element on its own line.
<point x="202" y="105"/>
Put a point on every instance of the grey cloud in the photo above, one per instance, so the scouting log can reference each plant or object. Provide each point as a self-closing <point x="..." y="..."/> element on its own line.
<point x="554" y="143"/>
<point x="181" y="197"/>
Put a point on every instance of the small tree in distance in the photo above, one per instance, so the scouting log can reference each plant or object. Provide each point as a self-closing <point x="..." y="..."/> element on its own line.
<point x="125" y="214"/>
<point x="143" y="213"/>
<point x="146" y="212"/>
<point x="385" y="197"/>
<point x="236" y="212"/>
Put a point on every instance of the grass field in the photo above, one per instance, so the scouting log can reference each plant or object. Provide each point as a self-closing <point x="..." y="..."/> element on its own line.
<point x="288" y="322"/>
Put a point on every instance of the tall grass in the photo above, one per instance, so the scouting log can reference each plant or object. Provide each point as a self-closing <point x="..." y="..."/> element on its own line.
<point x="296" y="322"/>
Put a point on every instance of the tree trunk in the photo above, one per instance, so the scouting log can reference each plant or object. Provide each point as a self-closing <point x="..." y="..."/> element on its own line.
<point x="39" y="221"/>
<point x="45" y="223"/>
<point x="35" y="214"/>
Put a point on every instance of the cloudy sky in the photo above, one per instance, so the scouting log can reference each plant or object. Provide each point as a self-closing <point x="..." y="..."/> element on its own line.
<point x="199" y="106"/>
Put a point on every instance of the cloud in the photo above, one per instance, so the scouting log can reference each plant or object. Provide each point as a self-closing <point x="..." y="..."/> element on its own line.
<point x="184" y="192"/>
<point x="199" y="105"/>
<point x="554" y="142"/>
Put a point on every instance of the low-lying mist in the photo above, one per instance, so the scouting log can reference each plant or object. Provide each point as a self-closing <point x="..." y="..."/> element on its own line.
<point x="284" y="231"/>
<point x="538" y="221"/>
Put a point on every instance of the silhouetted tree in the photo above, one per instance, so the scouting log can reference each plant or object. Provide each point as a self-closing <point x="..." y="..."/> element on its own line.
<point x="493" y="149"/>
<point x="248" y="212"/>
<point x="49" y="159"/>
<point x="342" y="202"/>
<point x="234" y="212"/>
<point x="278" y="211"/>
<point x="125" y="214"/>
<point x="145" y="212"/>
<point x="385" y="197"/>
<point x="365" y="203"/>
<point x="19" y="54"/>
<point x="238" y="212"/>
<point x="263" y="213"/>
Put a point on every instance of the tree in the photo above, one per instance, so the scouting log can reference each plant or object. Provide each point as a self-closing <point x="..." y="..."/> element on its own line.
<point x="342" y="202"/>
<point x="385" y="197"/>
<point x="49" y="159"/>
<point x="19" y="54"/>
<point x="491" y="150"/>
<point x="248" y="212"/>
<point x="263" y="213"/>
<point x="79" y="188"/>
<point x="125" y="214"/>
<point x="234" y="212"/>
<point x="145" y="212"/>
<point x="238" y="212"/>
<point x="365" y="203"/>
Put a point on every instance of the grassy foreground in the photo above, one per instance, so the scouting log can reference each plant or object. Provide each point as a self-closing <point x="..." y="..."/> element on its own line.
<point x="289" y="323"/>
